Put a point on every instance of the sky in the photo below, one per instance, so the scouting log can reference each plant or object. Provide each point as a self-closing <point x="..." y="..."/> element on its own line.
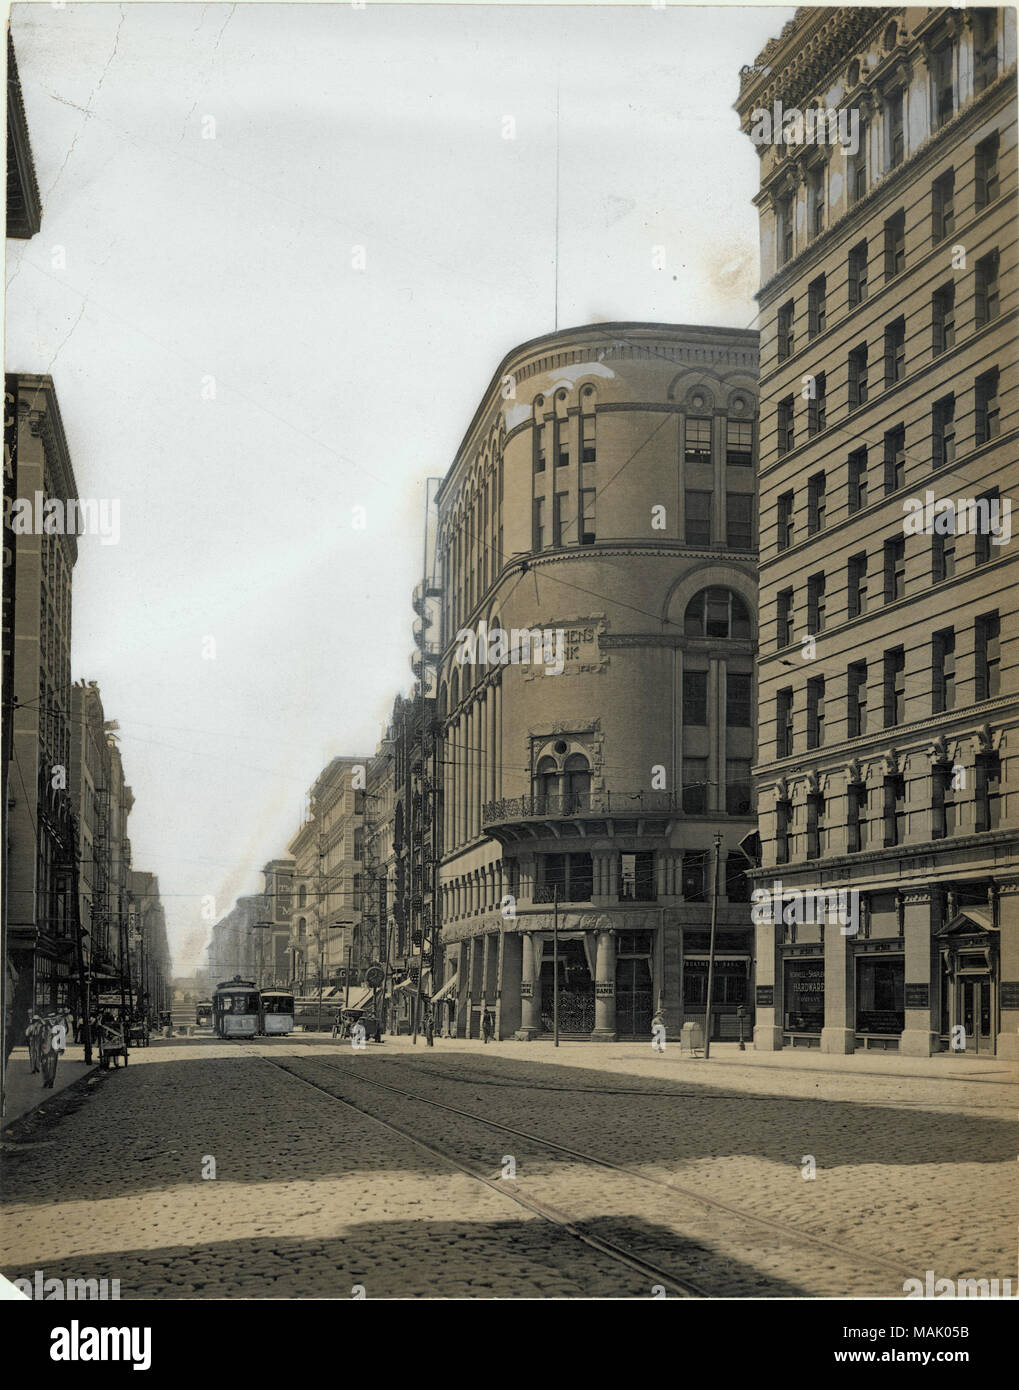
<point x="283" y="250"/>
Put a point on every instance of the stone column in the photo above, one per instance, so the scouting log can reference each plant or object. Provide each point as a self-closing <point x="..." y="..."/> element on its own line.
<point x="491" y="746"/>
<point x="838" y="1035"/>
<point x="767" y="986"/>
<point x="530" y="993"/>
<point x="922" y="914"/>
<point x="605" y="988"/>
<point x="1008" y="969"/>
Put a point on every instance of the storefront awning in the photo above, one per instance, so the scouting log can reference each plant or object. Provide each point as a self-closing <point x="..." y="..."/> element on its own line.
<point x="721" y="957"/>
<point x="404" y="984"/>
<point x="443" y="993"/>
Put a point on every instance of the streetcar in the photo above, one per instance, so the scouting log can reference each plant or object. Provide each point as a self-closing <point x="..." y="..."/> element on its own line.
<point x="235" y="1008"/>
<point x="203" y="1013"/>
<point x="276" y="1012"/>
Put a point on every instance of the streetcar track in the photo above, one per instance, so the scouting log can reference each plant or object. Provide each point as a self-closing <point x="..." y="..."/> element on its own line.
<point x="683" y="1288"/>
<point x="785" y="1229"/>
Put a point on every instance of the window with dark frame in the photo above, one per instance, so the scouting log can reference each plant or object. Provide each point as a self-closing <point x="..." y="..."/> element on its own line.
<point x="739" y="520"/>
<point x="988" y="791"/>
<point x="817" y="307"/>
<point x="943" y="671"/>
<point x="859" y="817"/>
<point x="942" y="556"/>
<point x="786" y="331"/>
<point x="988" y="656"/>
<point x="895" y="352"/>
<point x="895" y="244"/>
<point x="857" y="479"/>
<point x="816" y="602"/>
<point x="985" y="48"/>
<point x="895" y="459"/>
<point x="895" y="686"/>
<point x="895" y="569"/>
<point x="942" y="89"/>
<point x="738" y="700"/>
<point x="857" y="584"/>
<point x="858" y="376"/>
<point x="783" y="827"/>
<point x="943" y="206"/>
<point x="698" y="440"/>
<point x="786" y="522"/>
<point x="857" y="689"/>
<point x="815" y="712"/>
<point x="784" y="721"/>
<point x="944" y="812"/>
<point x="987" y="407"/>
<point x="588" y="527"/>
<point x="785" y="617"/>
<point x="857" y="274"/>
<point x="815" y="503"/>
<point x="986" y="505"/>
<point x="695" y="698"/>
<point x="786" y="425"/>
<point x="943" y="318"/>
<point x="987" y="301"/>
<point x="739" y="795"/>
<point x="895" y="809"/>
<point x="698" y="517"/>
<point x="985" y="168"/>
<point x="817" y="405"/>
<point x="739" y="444"/>
<point x="893" y="124"/>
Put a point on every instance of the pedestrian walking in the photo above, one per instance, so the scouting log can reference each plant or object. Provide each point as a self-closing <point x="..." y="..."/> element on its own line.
<point x="54" y="1041"/>
<point x="429" y="1029"/>
<point x="33" y="1036"/>
<point x="487" y="1027"/>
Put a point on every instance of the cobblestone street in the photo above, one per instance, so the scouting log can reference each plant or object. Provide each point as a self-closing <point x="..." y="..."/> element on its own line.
<point x="611" y="1172"/>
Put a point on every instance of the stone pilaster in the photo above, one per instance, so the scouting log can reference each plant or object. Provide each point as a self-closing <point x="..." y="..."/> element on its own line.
<point x="922" y="915"/>
<point x="1008" y="922"/>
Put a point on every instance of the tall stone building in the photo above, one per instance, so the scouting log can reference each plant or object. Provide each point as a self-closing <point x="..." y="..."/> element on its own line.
<point x="602" y="501"/>
<point x="151" y="969"/>
<point x="273" y="959"/>
<point x="40" y="850"/>
<point x="888" y="689"/>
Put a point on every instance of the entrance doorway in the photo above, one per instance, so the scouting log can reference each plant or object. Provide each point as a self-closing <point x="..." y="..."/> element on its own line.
<point x="576" y="991"/>
<point x="634" y="1002"/>
<point x="976" y="1012"/>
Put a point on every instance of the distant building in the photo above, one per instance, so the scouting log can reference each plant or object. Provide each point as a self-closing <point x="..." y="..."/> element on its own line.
<point x="150" y="952"/>
<point x="273" y="959"/>
<point x="889" y="705"/>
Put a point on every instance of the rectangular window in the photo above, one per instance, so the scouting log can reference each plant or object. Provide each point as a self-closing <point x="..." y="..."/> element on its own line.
<point x="895" y="686"/>
<point x="698" y="441"/>
<point x="588" y="530"/>
<point x="786" y="524"/>
<point x="857" y="577"/>
<point x="738" y="707"/>
<point x="589" y="451"/>
<point x="539" y="448"/>
<point x="785" y="229"/>
<point x="944" y="817"/>
<point x="817" y="199"/>
<point x="568" y="877"/>
<point x="786" y="333"/>
<point x="859" y="173"/>
<point x="941" y="84"/>
<point x="817" y="307"/>
<point x="815" y="503"/>
<point x="943" y="670"/>
<point x="737" y="885"/>
<point x="562" y="444"/>
<point x="859" y="816"/>
<point x="988" y="656"/>
<point x="987" y="288"/>
<point x="695" y="697"/>
<point x="943" y="318"/>
<point x="815" y="712"/>
<point x="817" y="827"/>
<point x="694" y="877"/>
<point x="895" y="810"/>
<point x="739" y="797"/>
<point x="943" y="206"/>
<point x="739" y="443"/>
<point x="857" y="274"/>
<point x="739" y="520"/>
<point x="858" y="376"/>
<point x="698" y="517"/>
<point x="895" y="459"/>
<point x="817" y="406"/>
<point x="942" y="557"/>
<point x="857" y="480"/>
<point x="988" y="791"/>
<point x="895" y="569"/>
<point x="986" y="504"/>
<point x="562" y="523"/>
<point x="637" y="877"/>
<point x="893" y="124"/>
<point x="785" y="617"/>
<point x="539" y="523"/>
<point x="816" y="602"/>
<point x="695" y="785"/>
<point x="895" y="245"/>
<point x="987" y="408"/>
<point x="784" y="721"/>
<point x="857" y="686"/>
<point x="985" y="166"/>
<point x="943" y="431"/>
<point x="895" y="352"/>
<point x="786" y="425"/>
<point x="783" y="825"/>
<point x="985" y="48"/>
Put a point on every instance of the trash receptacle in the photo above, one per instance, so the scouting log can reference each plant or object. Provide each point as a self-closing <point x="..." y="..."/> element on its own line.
<point x="691" y="1040"/>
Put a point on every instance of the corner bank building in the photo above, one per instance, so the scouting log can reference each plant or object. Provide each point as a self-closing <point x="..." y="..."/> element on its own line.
<point x="889" y="717"/>
<point x="602" y="501"/>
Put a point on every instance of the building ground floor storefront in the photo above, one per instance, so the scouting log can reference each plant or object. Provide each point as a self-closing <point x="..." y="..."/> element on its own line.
<point x="923" y="969"/>
<point x="618" y="973"/>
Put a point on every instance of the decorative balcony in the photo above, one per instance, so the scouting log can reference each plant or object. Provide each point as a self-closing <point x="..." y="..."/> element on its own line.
<point x="580" y="814"/>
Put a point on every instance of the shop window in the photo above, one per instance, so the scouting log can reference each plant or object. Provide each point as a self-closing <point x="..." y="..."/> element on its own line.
<point x="880" y="995"/>
<point x="804" y="995"/>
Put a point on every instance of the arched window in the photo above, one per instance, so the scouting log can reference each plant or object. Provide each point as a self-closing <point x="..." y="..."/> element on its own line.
<point x="717" y="613"/>
<point x="302" y="896"/>
<point x="576" y="781"/>
<point x="546" y="781"/>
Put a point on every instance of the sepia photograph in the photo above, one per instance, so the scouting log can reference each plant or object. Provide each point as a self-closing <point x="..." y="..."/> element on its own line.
<point x="510" y="725"/>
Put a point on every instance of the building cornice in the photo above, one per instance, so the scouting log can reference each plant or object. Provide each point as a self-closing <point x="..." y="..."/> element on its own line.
<point x="24" y="209"/>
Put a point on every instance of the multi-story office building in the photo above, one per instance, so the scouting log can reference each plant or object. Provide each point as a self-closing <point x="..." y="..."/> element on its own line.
<point x="90" y="774"/>
<point x="888" y="695"/>
<point x="234" y="942"/>
<point x="41" y="903"/>
<point x="326" y="903"/>
<point x="378" y="924"/>
<point x="602" y="500"/>
<point x="151" y="971"/>
<point x="273" y="960"/>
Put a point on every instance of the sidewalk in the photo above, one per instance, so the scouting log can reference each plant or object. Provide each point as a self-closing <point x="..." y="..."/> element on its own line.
<point x="25" y="1091"/>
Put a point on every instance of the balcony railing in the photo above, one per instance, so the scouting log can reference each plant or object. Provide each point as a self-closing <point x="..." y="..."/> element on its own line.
<point x="580" y="804"/>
